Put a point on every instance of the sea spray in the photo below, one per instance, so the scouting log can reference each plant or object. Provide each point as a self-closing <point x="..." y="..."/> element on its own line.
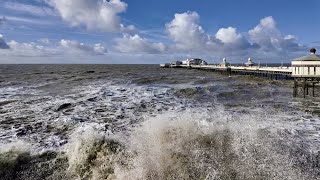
<point x="179" y="146"/>
<point x="92" y="155"/>
<point x="12" y="156"/>
<point x="191" y="144"/>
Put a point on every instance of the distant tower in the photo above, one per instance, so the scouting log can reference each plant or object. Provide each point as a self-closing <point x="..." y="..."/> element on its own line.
<point x="249" y="63"/>
<point x="224" y="63"/>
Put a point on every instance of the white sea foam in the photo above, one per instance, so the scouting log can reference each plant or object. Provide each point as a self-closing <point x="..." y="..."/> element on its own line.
<point x="192" y="144"/>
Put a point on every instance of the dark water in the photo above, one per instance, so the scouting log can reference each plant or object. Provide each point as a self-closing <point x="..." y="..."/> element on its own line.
<point x="144" y="122"/>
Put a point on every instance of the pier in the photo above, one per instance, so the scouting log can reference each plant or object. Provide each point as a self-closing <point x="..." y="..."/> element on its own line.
<point x="304" y="71"/>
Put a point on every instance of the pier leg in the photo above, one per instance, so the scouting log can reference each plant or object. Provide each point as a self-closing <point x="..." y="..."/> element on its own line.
<point x="304" y="87"/>
<point x="295" y="87"/>
<point x="307" y="88"/>
<point x="313" y="90"/>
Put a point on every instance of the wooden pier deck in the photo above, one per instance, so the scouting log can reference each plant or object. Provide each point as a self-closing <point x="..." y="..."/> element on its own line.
<point x="268" y="72"/>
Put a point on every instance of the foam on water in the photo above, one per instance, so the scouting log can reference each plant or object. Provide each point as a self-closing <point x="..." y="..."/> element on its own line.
<point x="194" y="144"/>
<point x="184" y="126"/>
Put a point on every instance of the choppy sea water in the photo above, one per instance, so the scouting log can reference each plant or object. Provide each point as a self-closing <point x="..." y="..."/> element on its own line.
<point x="144" y="122"/>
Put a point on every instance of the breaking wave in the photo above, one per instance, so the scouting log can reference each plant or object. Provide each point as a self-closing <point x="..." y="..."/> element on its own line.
<point x="211" y="145"/>
<point x="192" y="144"/>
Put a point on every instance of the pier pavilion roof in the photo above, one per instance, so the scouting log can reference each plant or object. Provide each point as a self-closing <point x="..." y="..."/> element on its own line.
<point x="310" y="57"/>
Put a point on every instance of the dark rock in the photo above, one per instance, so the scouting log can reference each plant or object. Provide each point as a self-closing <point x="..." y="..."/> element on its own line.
<point x="108" y="94"/>
<point x="21" y="132"/>
<point x="90" y="72"/>
<point x="100" y="110"/>
<point x="143" y="106"/>
<point x="63" y="106"/>
<point x="48" y="129"/>
<point x="3" y="103"/>
<point x="38" y="125"/>
<point x="122" y="90"/>
<point x="120" y="117"/>
<point x="63" y="142"/>
<point x="29" y="128"/>
<point x="92" y="99"/>
<point x="79" y="119"/>
<point x="106" y="127"/>
<point x="16" y="125"/>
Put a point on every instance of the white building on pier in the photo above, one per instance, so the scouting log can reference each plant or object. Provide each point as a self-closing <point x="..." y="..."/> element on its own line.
<point x="249" y="63"/>
<point x="306" y="66"/>
<point x="224" y="63"/>
<point x="194" y="61"/>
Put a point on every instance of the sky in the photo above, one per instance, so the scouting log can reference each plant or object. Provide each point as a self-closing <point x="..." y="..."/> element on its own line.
<point x="156" y="31"/>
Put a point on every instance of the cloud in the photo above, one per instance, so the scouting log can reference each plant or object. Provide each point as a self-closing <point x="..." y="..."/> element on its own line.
<point x="44" y="41"/>
<point x="232" y="40"/>
<point x="77" y="47"/>
<point x="136" y="44"/>
<point x="189" y="36"/>
<point x="3" y="44"/>
<point x="29" y="50"/>
<point x="94" y="14"/>
<point x="269" y="38"/>
<point x="47" y="49"/>
<point x="30" y="9"/>
<point x="265" y="33"/>
<point x="186" y="32"/>
<point x="228" y="35"/>
<point x="35" y="21"/>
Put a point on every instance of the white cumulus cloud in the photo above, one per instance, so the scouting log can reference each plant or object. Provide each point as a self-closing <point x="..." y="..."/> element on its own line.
<point x="228" y="35"/>
<point x="269" y="37"/>
<point x="136" y="44"/>
<point x="77" y="47"/>
<point x="47" y="49"/>
<point x="186" y="32"/>
<point x="28" y="50"/>
<point x="93" y="14"/>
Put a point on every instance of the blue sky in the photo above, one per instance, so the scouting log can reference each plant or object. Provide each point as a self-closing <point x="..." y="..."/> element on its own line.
<point x="145" y="31"/>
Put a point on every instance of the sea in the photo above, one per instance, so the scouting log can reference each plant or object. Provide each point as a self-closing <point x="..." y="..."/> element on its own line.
<point x="141" y="122"/>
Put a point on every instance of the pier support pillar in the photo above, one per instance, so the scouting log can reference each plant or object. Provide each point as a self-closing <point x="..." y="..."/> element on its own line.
<point x="304" y="87"/>
<point x="313" y="89"/>
<point x="295" y="87"/>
